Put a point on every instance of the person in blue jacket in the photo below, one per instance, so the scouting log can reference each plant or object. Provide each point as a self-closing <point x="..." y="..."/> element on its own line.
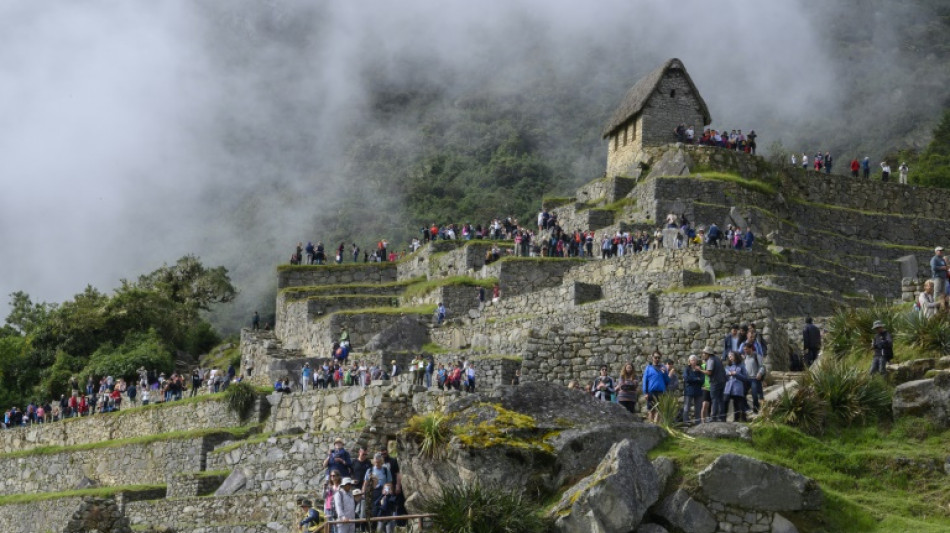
<point x="312" y="517"/>
<point x="749" y="239"/>
<point x="655" y="380"/>
<point x="736" y="382"/>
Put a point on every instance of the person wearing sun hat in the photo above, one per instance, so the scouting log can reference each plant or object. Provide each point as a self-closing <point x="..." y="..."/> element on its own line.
<point x="312" y="517"/>
<point x="883" y="346"/>
<point x="345" y="506"/>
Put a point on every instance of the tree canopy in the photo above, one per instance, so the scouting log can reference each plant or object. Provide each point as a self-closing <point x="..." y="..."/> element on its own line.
<point x="147" y="323"/>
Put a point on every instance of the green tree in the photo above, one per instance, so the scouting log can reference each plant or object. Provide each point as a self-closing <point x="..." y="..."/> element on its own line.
<point x="190" y="283"/>
<point x="140" y="349"/>
<point x="25" y="316"/>
<point x="933" y="166"/>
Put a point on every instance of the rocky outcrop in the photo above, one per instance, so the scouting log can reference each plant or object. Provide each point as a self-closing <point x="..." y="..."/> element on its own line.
<point x="98" y="514"/>
<point x="750" y="483"/>
<point x="534" y="437"/>
<point x="681" y="512"/>
<point x="925" y="397"/>
<point x="612" y="499"/>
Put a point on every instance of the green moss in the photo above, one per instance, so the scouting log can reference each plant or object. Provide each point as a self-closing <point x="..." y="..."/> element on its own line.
<point x="98" y="492"/>
<point x="433" y="348"/>
<point x="760" y="187"/>
<point x="214" y="473"/>
<point x="506" y="429"/>
<point x="256" y="439"/>
<point x="618" y="206"/>
<point x="421" y="288"/>
<point x="818" y="205"/>
<point x="308" y="290"/>
<point x="238" y="433"/>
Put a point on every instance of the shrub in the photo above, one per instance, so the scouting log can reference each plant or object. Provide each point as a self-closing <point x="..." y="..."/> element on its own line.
<point x="801" y="408"/>
<point x="241" y="398"/>
<point x="927" y="334"/>
<point x="479" y="509"/>
<point x="832" y="391"/>
<point x="432" y="432"/>
<point x="668" y="406"/>
<point x="850" y="328"/>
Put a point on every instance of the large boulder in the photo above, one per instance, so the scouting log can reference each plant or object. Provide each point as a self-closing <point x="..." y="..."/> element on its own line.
<point x="911" y="370"/>
<point x="535" y="437"/>
<point x="674" y="162"/>
<point x="681" y="512"/>
<point x="614" y="498"/>
<point x="752" y="484"/>
<point x="234" y="483"/>
<point x="925" y="397"/>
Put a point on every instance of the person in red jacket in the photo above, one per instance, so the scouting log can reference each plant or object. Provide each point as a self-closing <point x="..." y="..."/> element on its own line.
<point x="855" y="166"/>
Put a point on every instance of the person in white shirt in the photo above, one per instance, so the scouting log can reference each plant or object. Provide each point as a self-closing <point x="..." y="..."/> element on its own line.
<point x="885" y="171"/>
<point x="904" y="170"/>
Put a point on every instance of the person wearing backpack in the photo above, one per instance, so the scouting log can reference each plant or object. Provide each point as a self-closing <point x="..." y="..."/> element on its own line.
<point x="345" y="506"/>
<point x="755" y="369"/>
<point x="376" y="477"/>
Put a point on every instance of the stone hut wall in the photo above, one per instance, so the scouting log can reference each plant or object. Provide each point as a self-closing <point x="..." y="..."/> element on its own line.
<point x="520" y="275"/>
<point x="325" y="409"/>
<point x="178" y="416"/>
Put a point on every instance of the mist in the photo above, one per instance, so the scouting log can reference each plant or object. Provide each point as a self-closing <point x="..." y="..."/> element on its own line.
<point x="135" y="133"/>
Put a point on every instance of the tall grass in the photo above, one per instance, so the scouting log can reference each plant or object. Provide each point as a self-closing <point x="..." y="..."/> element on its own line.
<point x="432" y="432"/>
<point x="480" y="509"/>
<point x="241" y="398"/>
<point x="851" y="333"/>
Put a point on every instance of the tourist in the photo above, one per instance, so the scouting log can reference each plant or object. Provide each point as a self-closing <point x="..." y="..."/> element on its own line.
<point x="804" y="161"/>
<point x="828" y="162"/>
<point x="735" y="387"/>
<point x="885" y="171"/>
<point x="344" y="506"/>
<point x="306" y="377"/>
<point x="926" y="304"/>
<point x="938" y="271"/>
<point x="440" y="314"/>
<point x="387" y="505"/>
<point x="693" y="379"/>
<point x="338" y="459"/>
<point x="603" y="385"/>
<point x="628" y="386"/>
<point x="655" y="381"/>
<point x="883" y="346"/>
<point x="794" y="160"/>
<point x="312" y="517"/>
<point x="811" y="341"/>
<point x="330" y="489"/>
<point x="717" y="385"/>
<point x="903" y="169"/>
<point x="866" y="167"/>
<point x="733" y="341"/>
<point x="470" y="377"/>
<point x="755" y="371"/>
<point x="855" y="166"/>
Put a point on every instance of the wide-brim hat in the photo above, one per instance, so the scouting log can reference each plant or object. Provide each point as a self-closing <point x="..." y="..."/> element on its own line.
<point x="357" y="492"/>
<point x="877" y="324"/>
<point x="346" y="481"/>
<point x="709" y="351"/>
<point x="338" y="441"/>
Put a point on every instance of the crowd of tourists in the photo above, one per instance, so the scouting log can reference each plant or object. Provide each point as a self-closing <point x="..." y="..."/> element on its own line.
<point x="357" y="486"/>
<point x="107" y="394"/>
<point x="721" y="376"/>
<point x="732" y="140"/>
<point x="824" y="162"/>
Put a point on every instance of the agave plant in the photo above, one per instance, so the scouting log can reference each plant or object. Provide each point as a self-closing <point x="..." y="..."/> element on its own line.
<point x="926" y="334"/>
<point x="800" y="408"/>
<point x="432" y="432"/>
<point x="479" y="509"/>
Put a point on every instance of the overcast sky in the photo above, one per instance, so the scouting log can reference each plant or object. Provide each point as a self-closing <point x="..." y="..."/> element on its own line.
<point x="129" y="128"/>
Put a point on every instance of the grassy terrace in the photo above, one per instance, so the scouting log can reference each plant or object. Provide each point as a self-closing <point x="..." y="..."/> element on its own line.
<point x="315" y="290"/>
<point x="423" y="287"/>
<point x="701" y="288"/>
<point x="874" y="478"/>
<point x="99" y="492"/>
<point x="760" y="187"/>
<point x="237" y="433"/>
<point x="416" y="310"/>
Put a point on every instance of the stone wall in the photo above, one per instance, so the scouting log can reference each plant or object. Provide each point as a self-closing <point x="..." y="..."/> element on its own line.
<point x="209" y="413"/>
<point x="607" y="189"/>
<point x="458" y="299"/>
<point x="325" y="409"/>
<point x="38" y="517"/>
<point x="464" y="261"/>
<point x="191" y="484"/>
<point x="198" y="512"/>
<point x="312" y="275"/>
<point x="490" y="370"/>
<point x="293" y="463"/>
<point x="129" y="464"/>
<point x="271" y="361"/>
<point x="519" y="275"/>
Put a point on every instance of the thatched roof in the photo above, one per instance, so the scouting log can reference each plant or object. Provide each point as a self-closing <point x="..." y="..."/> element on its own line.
<point x="638" y="95"/>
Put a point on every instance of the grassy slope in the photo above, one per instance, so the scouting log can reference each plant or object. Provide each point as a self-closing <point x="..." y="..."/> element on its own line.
<point x="866" y="488"/>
